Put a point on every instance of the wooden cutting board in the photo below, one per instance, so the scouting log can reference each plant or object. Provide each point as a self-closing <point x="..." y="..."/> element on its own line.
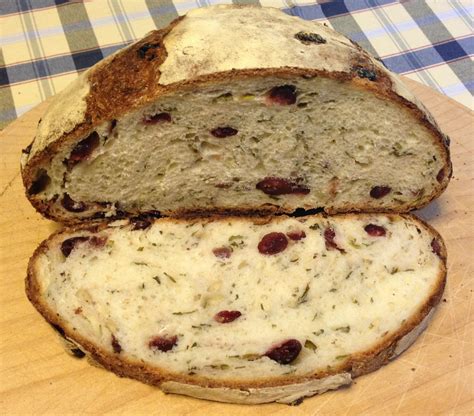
<point x="434" y="376"/>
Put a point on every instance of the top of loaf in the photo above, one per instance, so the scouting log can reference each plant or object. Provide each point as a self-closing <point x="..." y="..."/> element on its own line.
<point x="206" y="42"/>
<point x="225" y="37"/>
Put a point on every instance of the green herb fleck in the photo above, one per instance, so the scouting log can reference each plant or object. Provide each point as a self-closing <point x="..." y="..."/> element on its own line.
<point x="318" y="333"/>
<point x="140" y="248"/>
<point x="184" y="313"/>
<point x="304" y="296"/>
<point x="341" y="357"/>
<point x="169" y="277"/>
<point x="353" y="243"/>
<point x="236" y="241"/>
<point x="314" y="227"/>
<point x="200" y="326"/>
<point x="157" y="279"/>
<point x="345" y="329"/>
<point x="310" y="345"/>
<point x="219" y="366"/>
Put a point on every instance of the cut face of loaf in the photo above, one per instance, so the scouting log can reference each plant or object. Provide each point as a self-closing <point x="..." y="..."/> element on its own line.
<point x="206" y="116"/>
<point x="240" y="309"/>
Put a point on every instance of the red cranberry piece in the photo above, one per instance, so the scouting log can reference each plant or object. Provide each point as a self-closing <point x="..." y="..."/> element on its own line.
<point x="296" y="235"/>
<point x="68" y="245"/>
<point x="116" y="345"/>
<point x="379" y="191"/>
<point x="329" y="236"/>
<point x="272" y="243"/>
<point x="222" y="252"/>
<point x="280" y="186"/>
<point x="83" y="149"/>
<point x="222" y="132"/>
<point x="68" y="203"/>
<point x="285" y="352"/>
<point x="40" y="183"/>
<point x="98" y="241"/>
<point x="163" y="343"/>
<point x="282" y="95"/>
<point x="224" y="317"/>
<point x="436" y="247"/>
<point x="158" y="118"/>
<point x="440" y="175"/>
<point x="375" y="230"/>
<point x="140" y="224"/>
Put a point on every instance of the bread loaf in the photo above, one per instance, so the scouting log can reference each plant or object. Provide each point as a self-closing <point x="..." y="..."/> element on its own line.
<point x="245" y="310"/>
<point x="235" y="109"/>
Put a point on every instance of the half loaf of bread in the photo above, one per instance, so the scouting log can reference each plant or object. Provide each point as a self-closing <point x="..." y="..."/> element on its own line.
<point x="235" y="109"/>
<point x="244" y="310"/>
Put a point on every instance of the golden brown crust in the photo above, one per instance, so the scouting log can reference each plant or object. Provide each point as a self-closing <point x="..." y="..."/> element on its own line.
<point x="357" y="364"/>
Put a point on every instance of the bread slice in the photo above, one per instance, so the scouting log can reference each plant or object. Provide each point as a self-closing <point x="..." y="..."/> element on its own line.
<point x="244" y="310"/>
<point x="235" y="109"/>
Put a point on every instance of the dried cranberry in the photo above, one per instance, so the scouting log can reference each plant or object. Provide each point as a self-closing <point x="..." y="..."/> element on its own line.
<point x="158" y="118"/>
<point x="308" y="38"/>
<point x="272" y="243"/>
<point x="380" y="191"/>
<point x="436" y="247"/>
<point x="366" y="73"/>
<point x="116" y="345"/>
<point x="68" y="203"/>
<point x="98" y="241"/>
<point x="440" y="175"/>
<point x="140" y="223"/>
<point x="83" y="149"/>
<point x="224" y="317"/>
<point x="280" y="186"/>
<point x="222" y="132"/>
<point x="285" y="352"/>
<point x="40" y="183"/>
<point x="375" y="230"/>
<point x="296" y="235"/>
<point x="282" y="95"/>
<point x="148" y="51"/>
<point x="329" y="236"/>
<point x="68" y="245"/>
<point x="222" y="252"/>
<point x="163" y="343"/>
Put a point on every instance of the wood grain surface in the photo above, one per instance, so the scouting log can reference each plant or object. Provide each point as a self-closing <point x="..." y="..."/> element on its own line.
<point x="435" y="376"/>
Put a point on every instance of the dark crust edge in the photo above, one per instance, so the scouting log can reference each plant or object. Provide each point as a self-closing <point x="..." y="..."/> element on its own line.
<point x="143" y="88"/>
<point x="356" y="365"/>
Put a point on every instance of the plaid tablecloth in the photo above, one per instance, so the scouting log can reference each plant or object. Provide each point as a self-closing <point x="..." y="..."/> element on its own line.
<point x="46" y="43"/>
